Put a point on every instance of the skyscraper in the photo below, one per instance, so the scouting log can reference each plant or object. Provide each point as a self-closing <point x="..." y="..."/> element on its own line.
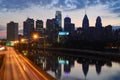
<point x="67" y="22"/>
<point x="39" y="24"/>
<point x="85" y="23"/>
<point x="58" y="17"/>
<point x="71" y="28"/>
<point x="28" y="28"/>
<point x="49" y="24"/>
<point x="68" y="26"/>
<point x="98" y="22"/>
<point x="49" y="30"/>
<point x="12" y="31"/>
<point x="52" y="29"/>
<point x="39" y="27"/>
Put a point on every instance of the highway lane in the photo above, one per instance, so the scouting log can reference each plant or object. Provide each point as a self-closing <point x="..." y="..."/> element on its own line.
<point x="16" y="67"/>
<point x="10" y="67"/>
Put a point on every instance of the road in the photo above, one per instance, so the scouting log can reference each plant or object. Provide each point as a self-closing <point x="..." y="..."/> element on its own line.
<point x="16" y="67"/>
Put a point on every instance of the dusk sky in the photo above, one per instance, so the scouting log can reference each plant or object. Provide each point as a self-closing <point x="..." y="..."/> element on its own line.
<point x="20" y="10"/>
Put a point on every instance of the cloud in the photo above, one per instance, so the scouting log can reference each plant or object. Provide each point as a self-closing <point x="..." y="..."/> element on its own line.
<point x="7" y="5"/>
<point x="74" y="8"/>
<point x="18" y="11"/>
<point x="54" y="2"/>
<point x="70" y="4"/>
<point x="2" y="28"/>
<point x="114" y="6"/>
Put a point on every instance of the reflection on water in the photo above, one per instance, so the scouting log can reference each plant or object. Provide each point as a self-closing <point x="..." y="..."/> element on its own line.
<point x="79" y="67"/>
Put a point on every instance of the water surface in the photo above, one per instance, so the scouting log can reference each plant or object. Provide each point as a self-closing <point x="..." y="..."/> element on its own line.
<point x="79" y="67"/>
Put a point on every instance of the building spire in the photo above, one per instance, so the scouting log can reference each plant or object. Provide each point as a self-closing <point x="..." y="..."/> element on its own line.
<point x="85" y="10"/>
<point x="98" y="23"/>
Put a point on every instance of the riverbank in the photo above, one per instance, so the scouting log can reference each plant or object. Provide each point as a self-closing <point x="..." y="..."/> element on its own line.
<point x="85" y="52"/>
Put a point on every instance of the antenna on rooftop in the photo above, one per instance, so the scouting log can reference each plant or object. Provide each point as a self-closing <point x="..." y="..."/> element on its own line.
<point x="85" y="10"/>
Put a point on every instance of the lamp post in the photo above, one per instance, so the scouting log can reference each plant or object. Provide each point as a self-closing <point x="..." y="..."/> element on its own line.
<point x="36" y="36"/>
<point x="22" y="40"/>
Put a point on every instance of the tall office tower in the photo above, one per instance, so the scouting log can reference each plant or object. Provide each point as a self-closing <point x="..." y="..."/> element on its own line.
<point x="12" y="31"/>
<point x="49" y="24"/>
<point x="58" y="17"/>
<point x="67" y="22"/>
<point x="39" y="24"/>
<point x="28" y="28"/>
<point x="50" y="30"/>
<point x="71" y="28"/>
<point x="68" y="26"/>
<point x="85" y="23"/>
<point x="39" y="27"/>
<point x="56" y="27"/>
<point x="98" y="22"/>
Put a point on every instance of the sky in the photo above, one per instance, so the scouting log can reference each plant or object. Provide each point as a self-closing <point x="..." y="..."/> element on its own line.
<point x="19" y="10"/>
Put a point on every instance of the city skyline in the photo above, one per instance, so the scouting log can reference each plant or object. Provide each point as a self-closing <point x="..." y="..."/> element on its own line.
<point x="19" y="11"/>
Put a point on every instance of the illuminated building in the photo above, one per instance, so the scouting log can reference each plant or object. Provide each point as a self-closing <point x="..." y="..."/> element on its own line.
<point x="62" y="37"/>
<point x="58" y="17"/>
<point x="12" y="31"/>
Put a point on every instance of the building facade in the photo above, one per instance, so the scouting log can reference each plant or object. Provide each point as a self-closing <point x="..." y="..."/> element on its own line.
<point x="39" y="27"/>
<point x="68" y="26"/>
<point x="58" y="17"/>
<point x="28" y="28"/>
<point x="98" y="22"/>
<point x="67" y="22"/>
<point x="52" y="29"/>
<point x="12" y="31"/>
<point x="85" y="23"/>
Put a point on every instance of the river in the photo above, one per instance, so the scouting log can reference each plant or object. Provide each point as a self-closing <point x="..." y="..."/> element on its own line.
<point x="78" y="67"/>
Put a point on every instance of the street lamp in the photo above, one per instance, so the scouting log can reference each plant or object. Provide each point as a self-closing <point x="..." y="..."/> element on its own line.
<point x="22" y="40"/>
<point x="36" y="36"/>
